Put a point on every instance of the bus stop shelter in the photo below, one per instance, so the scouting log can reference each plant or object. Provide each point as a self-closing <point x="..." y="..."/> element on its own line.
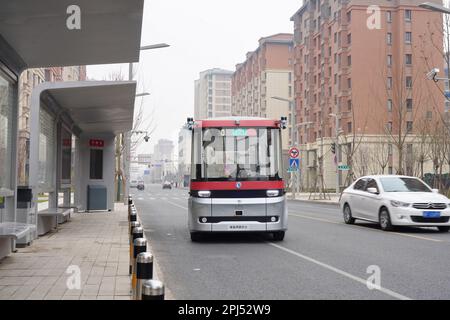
<point x="72" y="147"/>
<point x="45" y="33"/>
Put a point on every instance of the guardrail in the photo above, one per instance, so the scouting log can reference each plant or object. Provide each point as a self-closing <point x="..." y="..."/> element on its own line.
<point x="143" y="286"/>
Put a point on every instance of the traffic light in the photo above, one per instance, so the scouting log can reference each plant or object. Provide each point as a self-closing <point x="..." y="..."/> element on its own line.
<point x="333" y="148"/>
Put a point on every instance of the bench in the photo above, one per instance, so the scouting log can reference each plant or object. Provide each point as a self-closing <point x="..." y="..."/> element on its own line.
<point x="10" y="231"/>
<point x="49" y="217"/>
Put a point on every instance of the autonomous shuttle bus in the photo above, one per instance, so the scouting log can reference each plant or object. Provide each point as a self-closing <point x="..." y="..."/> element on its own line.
<point x="236" y="178"/>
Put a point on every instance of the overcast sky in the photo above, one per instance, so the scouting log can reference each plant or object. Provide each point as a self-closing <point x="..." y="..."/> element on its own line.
<point x="203" y="34"/>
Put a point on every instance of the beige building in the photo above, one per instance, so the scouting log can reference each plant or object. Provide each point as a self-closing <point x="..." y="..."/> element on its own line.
<point x="28" y="80"/>
<point x="266" y="73"/>
<point x="213" y="94"/>
<point x="360" y="81"/>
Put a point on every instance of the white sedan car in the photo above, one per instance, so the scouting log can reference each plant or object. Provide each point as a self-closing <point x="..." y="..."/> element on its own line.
<point x="395" y="201"/>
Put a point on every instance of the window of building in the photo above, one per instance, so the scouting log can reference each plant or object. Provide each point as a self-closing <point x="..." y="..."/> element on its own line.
<point x="389" y="126"/>
<point x="409" y="82"/>
<point x="349" y="61"/>
<point x="349" y="105"/>
<point x="349" y="83"/>
<point x="389" y="83"/>
<point x="7" y="102"/>
<point x="389" y="16"/>
<point x="408" y="37"/>
<point x="389" y="60"/>
<point x="349" y="127"/>
<point x="408" y="15"/>
<point x="389" y="38"/>
<point x="409" y="104"/>
<point x="349" y="38"/>
<point x="389" y="105"/>
<point x="408" y="59"/>
<point x="409" y="126"/>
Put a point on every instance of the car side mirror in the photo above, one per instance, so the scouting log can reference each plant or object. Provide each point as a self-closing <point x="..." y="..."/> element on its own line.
<point x="372" y="190"/>
<point x="435" y="190"/>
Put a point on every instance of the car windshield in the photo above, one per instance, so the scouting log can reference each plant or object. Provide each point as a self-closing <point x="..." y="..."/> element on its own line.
<point x="402" y="184"/>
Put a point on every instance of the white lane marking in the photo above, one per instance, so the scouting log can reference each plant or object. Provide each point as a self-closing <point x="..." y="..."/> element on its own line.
<point x="362" y="227"/>
<point x="339" y="271"/>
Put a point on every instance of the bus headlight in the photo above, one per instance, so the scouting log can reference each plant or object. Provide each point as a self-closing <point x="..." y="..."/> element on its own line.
<point x="204" y="194"/>
<point x="273" y="193"/>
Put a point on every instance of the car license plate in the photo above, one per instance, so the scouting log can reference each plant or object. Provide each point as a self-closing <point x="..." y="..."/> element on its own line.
<point x="431" y="214"/>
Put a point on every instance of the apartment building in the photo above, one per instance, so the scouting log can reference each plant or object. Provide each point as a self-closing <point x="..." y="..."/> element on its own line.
<point x="263" y="85"/>
<point x="360" y="82"/>
<point x="213" y="94"/>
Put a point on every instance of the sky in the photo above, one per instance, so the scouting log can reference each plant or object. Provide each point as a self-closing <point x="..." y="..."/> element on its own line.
<point x="202" y="34"/>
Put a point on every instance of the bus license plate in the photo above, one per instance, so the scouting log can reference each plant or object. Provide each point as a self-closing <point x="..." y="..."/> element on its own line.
<point x="237" y="227"/>
<point x="431" y="214"/>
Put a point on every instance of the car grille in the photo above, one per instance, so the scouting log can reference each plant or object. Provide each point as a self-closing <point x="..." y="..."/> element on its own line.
<point x="419" y="219"/>
<point x="440" y="206"/>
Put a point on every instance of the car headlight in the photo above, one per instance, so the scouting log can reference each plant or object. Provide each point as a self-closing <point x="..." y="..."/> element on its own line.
<point x="204" y="194"/>
<point x="273" y="193"/>
<point x="395" y="203"/>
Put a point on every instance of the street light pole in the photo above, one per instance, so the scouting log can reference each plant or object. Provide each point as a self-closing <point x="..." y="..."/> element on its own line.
<point x="337" y="148"/>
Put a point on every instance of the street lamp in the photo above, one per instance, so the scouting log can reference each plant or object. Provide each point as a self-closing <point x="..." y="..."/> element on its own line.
<point x="293" y="136"/>
<point x="434" y="7"/>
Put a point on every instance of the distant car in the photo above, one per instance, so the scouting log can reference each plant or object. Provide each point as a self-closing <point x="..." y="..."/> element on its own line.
<point x="141" y="185"/>
<point x="395" y="201"/>
<point x="167" y="185"/>
<point x="133" y="184"/>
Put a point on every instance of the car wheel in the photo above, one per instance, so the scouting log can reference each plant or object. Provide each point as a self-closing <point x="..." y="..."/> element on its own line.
<point x="195" y="236"/>
<point x="444" y="229"/>
<point x="385" y="220"/>
<point x="348" y="219"/>
<point x="279" y="235"/>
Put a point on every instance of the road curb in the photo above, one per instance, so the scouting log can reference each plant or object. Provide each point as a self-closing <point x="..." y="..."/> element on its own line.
<point x="332" y="204"/>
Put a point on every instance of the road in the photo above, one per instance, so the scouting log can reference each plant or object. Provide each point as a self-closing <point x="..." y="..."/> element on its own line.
<point x="320" y="258"/>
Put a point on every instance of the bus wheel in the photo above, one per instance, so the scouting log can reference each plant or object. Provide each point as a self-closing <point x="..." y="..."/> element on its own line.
<point x="278" y="236"/>
<point x="195" y="236"/>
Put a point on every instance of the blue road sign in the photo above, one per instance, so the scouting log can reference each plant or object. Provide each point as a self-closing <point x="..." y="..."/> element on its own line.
<point x="294" y="164"/>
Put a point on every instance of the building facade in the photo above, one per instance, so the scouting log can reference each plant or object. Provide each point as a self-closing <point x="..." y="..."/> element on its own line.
<point x="267" y="73"/>
<point x="360" y="84"/>
<point x="213" y="94"/>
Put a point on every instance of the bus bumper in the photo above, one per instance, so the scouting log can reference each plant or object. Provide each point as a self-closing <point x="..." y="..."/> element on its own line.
<point x="237" y="215"/>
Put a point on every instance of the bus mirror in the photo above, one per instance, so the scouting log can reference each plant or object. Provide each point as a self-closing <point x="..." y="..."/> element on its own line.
<point x="283" y="123"/>
<point x="190" y="123"/>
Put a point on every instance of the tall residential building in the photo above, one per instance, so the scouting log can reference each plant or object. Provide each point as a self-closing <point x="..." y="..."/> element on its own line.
<point x="163" y="158"/>
<point x="213" y="94"/>
<point x="28" y="80"/>
<point x="360" y="76"/>
<point x="266" y="73"/>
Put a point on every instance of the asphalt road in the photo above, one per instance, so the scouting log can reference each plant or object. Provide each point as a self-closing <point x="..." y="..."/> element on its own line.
<point x="320" y="258"/>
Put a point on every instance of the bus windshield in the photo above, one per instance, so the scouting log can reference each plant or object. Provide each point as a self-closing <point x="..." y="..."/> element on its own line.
<point x="236" y="154"/>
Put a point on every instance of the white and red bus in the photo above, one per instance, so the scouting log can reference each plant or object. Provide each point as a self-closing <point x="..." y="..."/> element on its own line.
<point x="236" y="177"/>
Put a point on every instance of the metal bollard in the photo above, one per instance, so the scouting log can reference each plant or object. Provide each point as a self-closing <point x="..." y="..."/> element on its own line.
<point x="138" y="232"/>
<point x="139" y="245"/>
<point x="152" y="290"/>
<point x="133" y="215"/>
<point x="130" y="200"/>
<point x="144" y="271"/>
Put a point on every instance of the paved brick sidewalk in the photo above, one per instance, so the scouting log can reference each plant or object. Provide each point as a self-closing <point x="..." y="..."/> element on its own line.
<point x="96" y="242"/>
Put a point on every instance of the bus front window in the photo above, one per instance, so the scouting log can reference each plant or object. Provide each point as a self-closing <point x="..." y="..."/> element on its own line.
<point x="238" y="154"/>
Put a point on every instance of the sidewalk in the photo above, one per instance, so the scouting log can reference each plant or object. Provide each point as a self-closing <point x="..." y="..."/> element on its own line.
<point x="97" y="243"/>
<point x="307" y="197"/>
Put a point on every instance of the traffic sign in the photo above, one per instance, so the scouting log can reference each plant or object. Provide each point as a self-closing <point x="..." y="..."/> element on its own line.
<point x="344" y="167"/>
<point x="294" y="164"/>
<point x="294" y="153"/>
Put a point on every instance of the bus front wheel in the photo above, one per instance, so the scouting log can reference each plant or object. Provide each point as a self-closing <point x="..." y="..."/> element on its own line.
<point x="278" y="236"/>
